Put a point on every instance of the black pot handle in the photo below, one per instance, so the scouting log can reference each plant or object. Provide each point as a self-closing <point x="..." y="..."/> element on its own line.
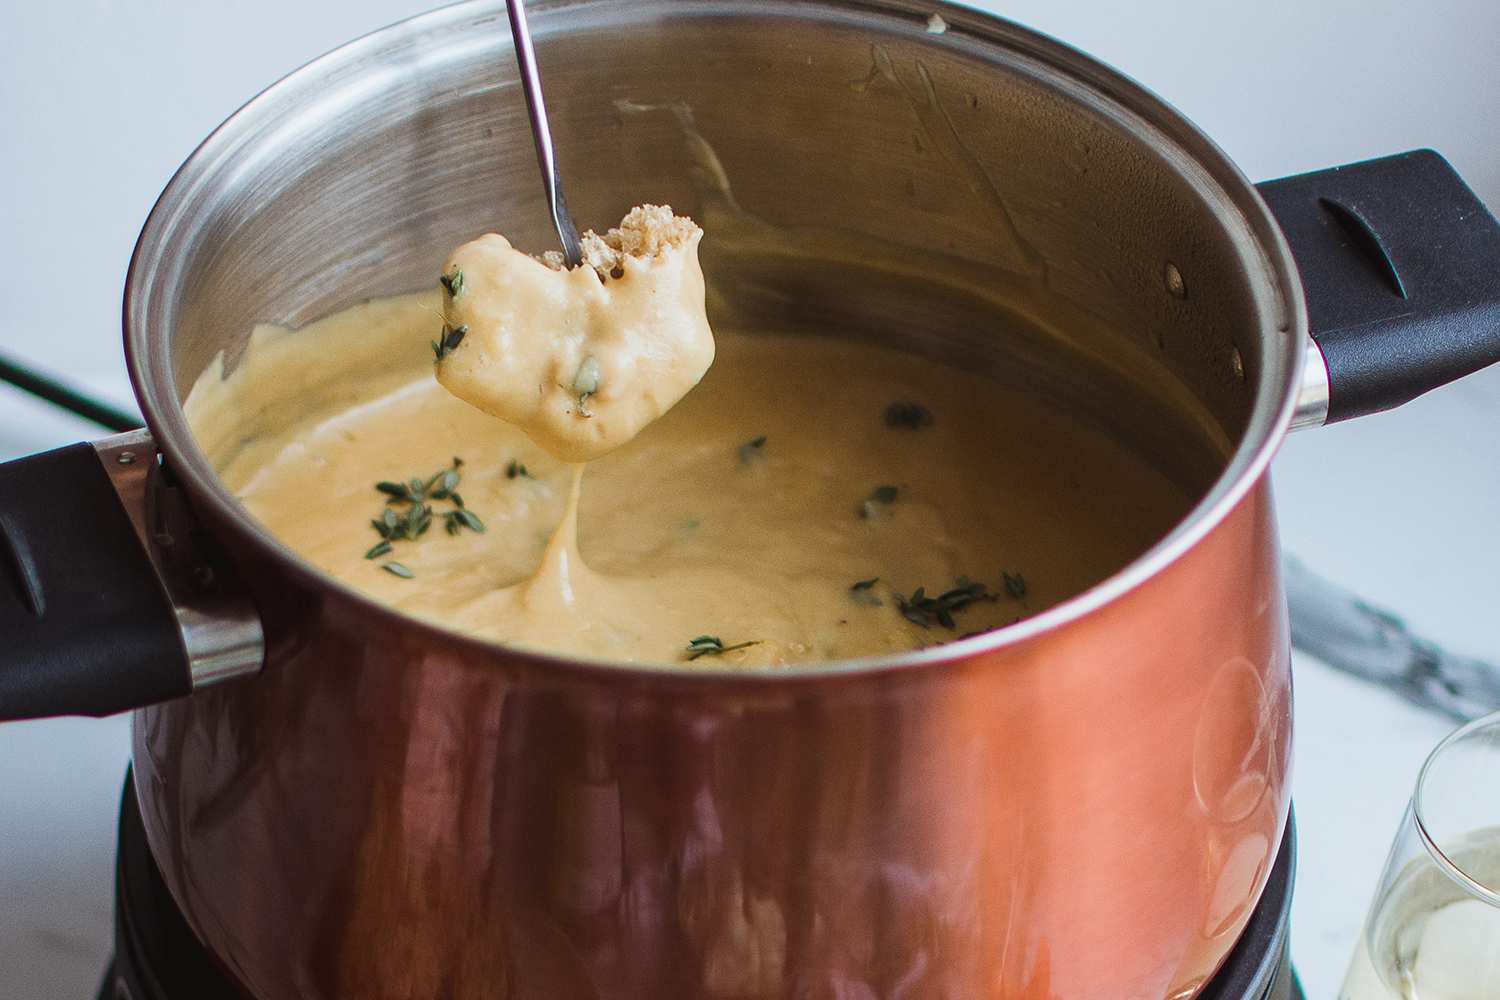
<point x="1401" y="266"/>
<point x="110" y="596"/>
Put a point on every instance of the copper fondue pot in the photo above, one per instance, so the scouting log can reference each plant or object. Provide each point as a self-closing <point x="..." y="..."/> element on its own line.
<point x="1086" y="804"/>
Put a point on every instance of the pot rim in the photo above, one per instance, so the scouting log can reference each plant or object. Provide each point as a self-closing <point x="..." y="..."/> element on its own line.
<point x="156" y="260"/>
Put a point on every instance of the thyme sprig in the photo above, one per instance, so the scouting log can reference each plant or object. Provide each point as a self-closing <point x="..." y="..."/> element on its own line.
<point x="913" y="416"/>
<point x="919" y="609"/>
<point x="412" y="523"/>
<point x="705" y="645"/>
<point x="444" y="345"/>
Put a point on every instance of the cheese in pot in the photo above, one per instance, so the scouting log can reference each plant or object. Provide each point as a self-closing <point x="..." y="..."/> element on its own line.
<point x="799" y="468"/>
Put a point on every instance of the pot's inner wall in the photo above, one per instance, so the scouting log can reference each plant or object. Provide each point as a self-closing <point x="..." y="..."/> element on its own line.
<point x="857" y="174"/>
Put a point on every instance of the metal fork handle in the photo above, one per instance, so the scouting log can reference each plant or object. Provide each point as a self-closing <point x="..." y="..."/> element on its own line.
<point x="541" y="133"/>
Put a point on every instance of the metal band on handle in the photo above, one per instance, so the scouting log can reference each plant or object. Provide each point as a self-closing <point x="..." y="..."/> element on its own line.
<point x="1312" y="395"/>
<point x="219" y="627"/>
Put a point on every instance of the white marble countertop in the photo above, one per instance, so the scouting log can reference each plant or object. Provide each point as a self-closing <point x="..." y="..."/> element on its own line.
<point x="100" y="101"/>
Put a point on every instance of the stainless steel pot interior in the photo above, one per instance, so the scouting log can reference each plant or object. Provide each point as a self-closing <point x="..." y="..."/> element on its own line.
<point x="984" y="195"/>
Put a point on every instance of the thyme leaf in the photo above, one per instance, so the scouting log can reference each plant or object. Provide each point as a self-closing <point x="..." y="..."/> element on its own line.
<point x="913" y="416"/>
<point x="396" y="569"/>
<point x="456" y="520"/>
<point x="750" y="451"/>
<point x="418" y="520"/>
<point x="397" y="491"/>
<point x="911" y="614"/>
<point x="444" y="345"/>
<point x="454" y="282"/>
<point x="442" y="485"/>
<point x="380" y="548"/>
<point x="1015" y="584"/>
<point x="872" y="505"/>
<point x="586" y="383"/>
<point x="863" y="593"/>
<point x="515" y="469"/>
<point x="711" y="644"/>
<point x="919" y="609"/>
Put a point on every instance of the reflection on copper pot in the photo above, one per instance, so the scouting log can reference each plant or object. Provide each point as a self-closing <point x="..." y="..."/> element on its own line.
<point x="390" y="814"/>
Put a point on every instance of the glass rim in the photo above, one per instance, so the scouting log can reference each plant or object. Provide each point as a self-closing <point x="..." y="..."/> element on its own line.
<point x="1466" y="881"/>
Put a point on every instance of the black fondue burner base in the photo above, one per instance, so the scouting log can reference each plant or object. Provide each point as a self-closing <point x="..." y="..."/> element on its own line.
<point x="158" y="958"/>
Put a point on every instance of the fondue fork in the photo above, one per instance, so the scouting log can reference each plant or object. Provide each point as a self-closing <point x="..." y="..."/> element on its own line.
<point x="541" y="133"/>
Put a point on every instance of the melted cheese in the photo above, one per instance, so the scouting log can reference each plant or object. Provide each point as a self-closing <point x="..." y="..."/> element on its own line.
<point x="689" y="529"/>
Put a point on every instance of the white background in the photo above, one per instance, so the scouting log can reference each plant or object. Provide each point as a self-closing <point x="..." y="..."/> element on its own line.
<point x="100" y="100"/>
